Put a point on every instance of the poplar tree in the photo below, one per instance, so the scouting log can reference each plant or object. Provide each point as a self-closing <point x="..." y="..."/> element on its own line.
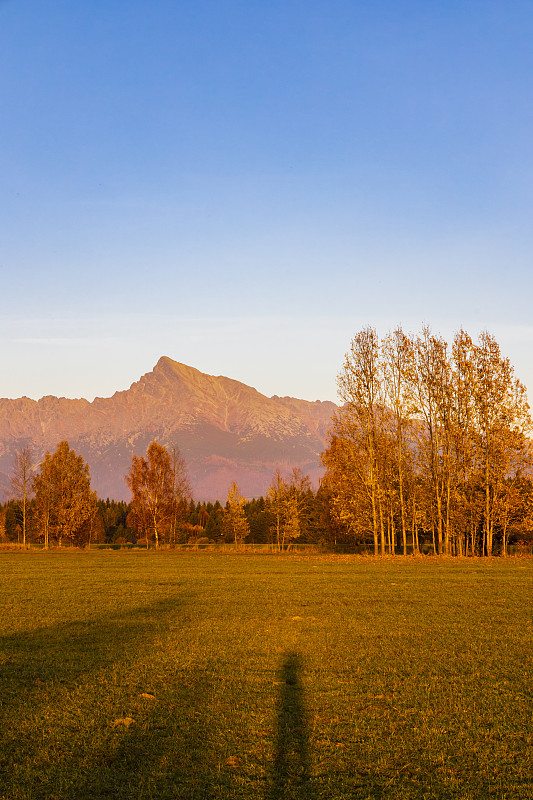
<point x="502" y="418"/>
<point x="397" y="359"/>
<point x="360" y="387"/>
<point x="235" y="522"/>
<point x="430" y="441"/>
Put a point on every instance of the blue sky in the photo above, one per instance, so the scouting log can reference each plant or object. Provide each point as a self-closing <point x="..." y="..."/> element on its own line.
<point x="243" y="185"/>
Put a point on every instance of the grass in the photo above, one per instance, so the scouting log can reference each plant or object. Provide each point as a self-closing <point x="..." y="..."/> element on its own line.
<point x="259" y="676"/>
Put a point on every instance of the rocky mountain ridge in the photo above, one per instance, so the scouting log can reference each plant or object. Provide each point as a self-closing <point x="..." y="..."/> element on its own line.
<point x="225" y="430"/>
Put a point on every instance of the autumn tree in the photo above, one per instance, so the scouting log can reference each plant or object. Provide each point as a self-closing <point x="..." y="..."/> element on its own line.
<point x="502" y="418"/>
<point x="159" y="486"/>
<point x="431" y="385"/>
<point x="397" y="359"/>
<point x="300" y="495"/>
<point x="464" y="438"/>
<point x="275" y="494"/>
<point x="181" y="490"/>
<point x="360" y="388"/>
<point x="235" y="522"/>
<point x="63" y="497"/>
<point x="347" y="485"/>
<point x="2" y="524"/>
<point x="430" y="441"/>
<point x="21" y="483"/>
<point x="43" y="487"/>
<point x="287" y="502"/>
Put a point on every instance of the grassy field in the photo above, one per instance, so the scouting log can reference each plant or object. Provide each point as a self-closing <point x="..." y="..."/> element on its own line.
<point x="264" y="677"/>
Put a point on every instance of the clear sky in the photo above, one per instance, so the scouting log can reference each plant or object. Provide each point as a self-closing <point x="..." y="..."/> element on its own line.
<point x="242" y="185"/>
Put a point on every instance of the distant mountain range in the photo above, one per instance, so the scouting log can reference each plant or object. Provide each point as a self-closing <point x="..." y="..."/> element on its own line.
<point x="226" y="431"/>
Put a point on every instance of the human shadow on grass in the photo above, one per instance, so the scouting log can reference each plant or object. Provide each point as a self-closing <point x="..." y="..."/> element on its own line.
<point x="291" y="777"/>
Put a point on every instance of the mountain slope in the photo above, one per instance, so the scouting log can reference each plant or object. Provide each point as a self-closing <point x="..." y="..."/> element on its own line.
<point x="225" y="430"/>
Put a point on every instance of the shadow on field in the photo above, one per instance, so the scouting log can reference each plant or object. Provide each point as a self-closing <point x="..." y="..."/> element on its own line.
<point x="292" y="772"/>
<point x="60" y="739"/>
<point x="168" y="755"/>
<point x="63" y="654"/>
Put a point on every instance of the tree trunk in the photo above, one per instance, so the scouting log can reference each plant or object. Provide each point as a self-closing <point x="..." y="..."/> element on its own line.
<point x="439" y="521"/>
<point x="381" y="529"/>
<point x="374" y="521"/>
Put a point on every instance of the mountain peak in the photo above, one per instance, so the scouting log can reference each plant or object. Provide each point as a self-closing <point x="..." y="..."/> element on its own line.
<point x="169" y="366"/>
<point x="225" y="430"/>
<point x="166" y="362"/>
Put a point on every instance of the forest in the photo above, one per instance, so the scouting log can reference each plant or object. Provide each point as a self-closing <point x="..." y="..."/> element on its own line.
<point x="428" y="453"/>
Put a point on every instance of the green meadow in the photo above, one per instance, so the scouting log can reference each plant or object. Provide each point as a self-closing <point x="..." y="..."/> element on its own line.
<point x="204" y="675"/>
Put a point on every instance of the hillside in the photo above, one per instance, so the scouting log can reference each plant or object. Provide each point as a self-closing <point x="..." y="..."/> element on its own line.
<point x="225" y="430"/>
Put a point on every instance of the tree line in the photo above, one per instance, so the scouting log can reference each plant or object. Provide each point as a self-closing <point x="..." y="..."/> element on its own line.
<point x="431" y="442"/>
<point x="428" y="453"/>
<point x="55" y="505"/>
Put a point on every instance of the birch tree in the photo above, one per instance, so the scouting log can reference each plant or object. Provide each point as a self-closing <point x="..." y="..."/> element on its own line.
<point x="158" y="484"/>
<point x="181" y="489"/>
<point x="21" y="483"/>
<point x="275" y="496"/>
<point x="287" y="501"/>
